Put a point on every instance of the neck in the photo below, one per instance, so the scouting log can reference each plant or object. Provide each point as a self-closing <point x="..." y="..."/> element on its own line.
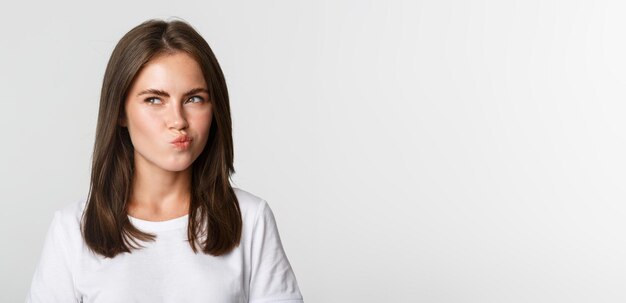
<point x="157" y="193"/>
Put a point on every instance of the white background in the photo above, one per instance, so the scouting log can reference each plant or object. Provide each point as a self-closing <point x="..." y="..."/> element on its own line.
<point x="412" y="151"/>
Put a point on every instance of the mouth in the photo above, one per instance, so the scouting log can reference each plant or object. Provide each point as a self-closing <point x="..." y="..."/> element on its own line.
<point x="182" y="142"/>
<point x="181" y="139"/>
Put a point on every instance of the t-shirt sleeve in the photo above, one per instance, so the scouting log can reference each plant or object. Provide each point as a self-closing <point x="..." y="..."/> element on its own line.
<point x="52" y="280"/>
<point x="272" y="278"/>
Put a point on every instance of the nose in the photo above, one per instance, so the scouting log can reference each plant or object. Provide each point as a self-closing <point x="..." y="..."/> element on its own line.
<point x="176" y="118"/>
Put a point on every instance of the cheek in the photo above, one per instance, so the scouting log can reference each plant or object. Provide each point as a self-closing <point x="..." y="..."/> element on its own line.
<point x="203" y="123"/>
<point x="143" y="126"/>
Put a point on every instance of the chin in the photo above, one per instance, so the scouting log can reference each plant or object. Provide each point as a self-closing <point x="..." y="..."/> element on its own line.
<point x="177" y="168"/>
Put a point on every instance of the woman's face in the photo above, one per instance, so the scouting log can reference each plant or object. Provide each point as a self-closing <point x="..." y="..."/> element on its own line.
<point x="168" y="98"/>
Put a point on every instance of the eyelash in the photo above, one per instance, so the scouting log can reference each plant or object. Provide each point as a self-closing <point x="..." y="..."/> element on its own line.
<point x="147" y="100"/>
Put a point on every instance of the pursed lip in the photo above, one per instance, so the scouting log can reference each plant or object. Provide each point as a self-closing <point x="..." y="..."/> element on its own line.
<point x="181" y="139"/>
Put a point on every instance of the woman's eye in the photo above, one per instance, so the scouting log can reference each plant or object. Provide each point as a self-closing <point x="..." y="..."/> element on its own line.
<point x="198" y="98"/>
<point x="149" y="100"/>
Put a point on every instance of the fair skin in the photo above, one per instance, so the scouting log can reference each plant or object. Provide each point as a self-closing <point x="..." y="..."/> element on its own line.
<point x="161" y="180"/>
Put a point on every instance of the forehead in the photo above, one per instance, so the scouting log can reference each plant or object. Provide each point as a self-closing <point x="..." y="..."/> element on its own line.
<point x="170" y="72"/>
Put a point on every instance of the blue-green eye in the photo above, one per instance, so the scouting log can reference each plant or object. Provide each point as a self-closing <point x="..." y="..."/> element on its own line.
<point x="200" y="99"/>
<point x="151" y="98"/>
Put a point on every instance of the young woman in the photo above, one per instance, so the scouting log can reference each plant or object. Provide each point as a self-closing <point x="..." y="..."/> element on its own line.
<point x="161" y="222"/>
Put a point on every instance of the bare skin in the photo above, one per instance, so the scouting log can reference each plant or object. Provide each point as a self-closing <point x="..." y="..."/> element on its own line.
<point x="161" y="181"/>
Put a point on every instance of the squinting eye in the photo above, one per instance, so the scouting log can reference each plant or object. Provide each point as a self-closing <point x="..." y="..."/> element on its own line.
<point x="151" y="98"/>
<point x="200" y="99"/>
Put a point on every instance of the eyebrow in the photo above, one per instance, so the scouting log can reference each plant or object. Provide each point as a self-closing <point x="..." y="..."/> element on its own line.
<point x="165" y="94"/>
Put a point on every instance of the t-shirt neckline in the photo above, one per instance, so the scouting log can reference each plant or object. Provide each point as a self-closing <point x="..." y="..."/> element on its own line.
<point x="159" y="225"/>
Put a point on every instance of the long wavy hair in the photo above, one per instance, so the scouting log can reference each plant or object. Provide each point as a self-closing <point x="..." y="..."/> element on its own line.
<point x="214" y="215"/>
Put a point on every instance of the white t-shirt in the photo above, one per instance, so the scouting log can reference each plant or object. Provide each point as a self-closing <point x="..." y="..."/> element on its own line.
<point x="166" y="270"/>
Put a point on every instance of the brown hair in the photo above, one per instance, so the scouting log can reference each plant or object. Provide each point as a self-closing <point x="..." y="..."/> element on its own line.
<point x="214" y="213"/>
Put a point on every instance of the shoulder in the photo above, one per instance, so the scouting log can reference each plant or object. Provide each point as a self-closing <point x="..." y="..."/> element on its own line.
<point x="67" y="220"/>
<point x="247" y="199"/>
<point x="64" y="233"/>
<point x="248" y="202"/>
<point x="251" y="205"/>
<point x="71" y="213"/>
